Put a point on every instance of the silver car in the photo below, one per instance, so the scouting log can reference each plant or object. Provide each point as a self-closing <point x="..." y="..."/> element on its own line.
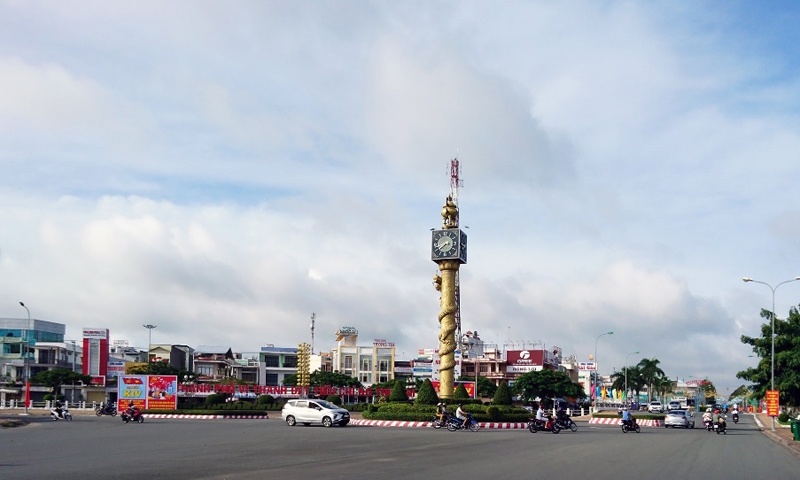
<point x="308" y="411"/>
<point x="679" y="418"/>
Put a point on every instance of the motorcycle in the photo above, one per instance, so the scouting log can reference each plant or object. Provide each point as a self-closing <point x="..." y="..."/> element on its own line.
<point x="720" y="426"/>
<point x="566" y="423"/>
<point x="134" y="415"/>
<point x="63" y="415"/>
<point x="630" y="426"/>
<point x="735" y="418"/>
<point x="709" y="425"/>
<point x="108" y="409"/>
<point x="440" y="421"/>
<point x="454" y="424"/>
<point x="550" y="425"/>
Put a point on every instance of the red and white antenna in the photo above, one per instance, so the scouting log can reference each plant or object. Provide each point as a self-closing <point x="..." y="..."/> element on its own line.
<point x="455" y="181"/>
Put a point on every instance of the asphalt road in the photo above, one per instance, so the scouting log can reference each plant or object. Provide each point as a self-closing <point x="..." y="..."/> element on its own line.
<point x="104" y="447"/>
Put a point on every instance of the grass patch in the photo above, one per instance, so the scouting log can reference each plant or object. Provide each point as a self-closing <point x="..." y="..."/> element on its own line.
<point x="9" y="423"/>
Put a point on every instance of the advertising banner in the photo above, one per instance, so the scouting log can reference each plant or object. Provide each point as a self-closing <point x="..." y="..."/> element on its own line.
<point x="162" y="392"/>
<point x="148" y="392"/>
<point x="773" y="404"/>
<point x="468" y="386"/>
<point x="132" y="388"/>
<point x="587" y="366"/>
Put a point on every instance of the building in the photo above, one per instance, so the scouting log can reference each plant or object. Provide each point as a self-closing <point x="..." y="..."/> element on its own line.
<point x="213" y="363"/>
<point x="180" y="357"/>
<point x="247" y="367"/>
<point x="322" y="362"/>
<point x="277" y="363"/>
<point x="16" y="334"/>
<point x="369" y="364"/>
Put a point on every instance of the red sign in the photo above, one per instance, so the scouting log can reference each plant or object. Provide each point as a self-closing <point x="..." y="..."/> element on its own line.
<point x="773" y="404"/>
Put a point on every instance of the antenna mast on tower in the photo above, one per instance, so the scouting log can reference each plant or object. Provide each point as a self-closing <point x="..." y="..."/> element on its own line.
<point x="455" y="182"/>
<point x="313" y="317"/>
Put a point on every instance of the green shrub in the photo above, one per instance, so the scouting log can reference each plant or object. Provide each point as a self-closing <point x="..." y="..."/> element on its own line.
<point x="426" y="394"/>
<point x="265" y="400"/>
<point x="398" y="392"/>
<point x="783" y="417"/>
<point x="461" y="393"/>
<point x="502" y="396"/>
<point x="493" y="412"/>
<point x="215" y="399"/>
<point x="334" y="399"/>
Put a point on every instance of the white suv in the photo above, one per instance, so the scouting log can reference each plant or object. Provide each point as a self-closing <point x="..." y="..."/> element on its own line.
<point x="655" y="407"/>
<point x="314" y="411"/>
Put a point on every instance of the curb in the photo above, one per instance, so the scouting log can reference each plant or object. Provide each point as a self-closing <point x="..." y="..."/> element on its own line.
<point x="207" y="417"/>
<point x="618" y="421"/>
<point x="402" y="424"/>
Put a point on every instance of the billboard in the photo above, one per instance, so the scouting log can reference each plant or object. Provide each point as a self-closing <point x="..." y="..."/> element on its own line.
<point x="587" y="366"/>
<point x="148" y="392"/>
<point x="524" y="361"/>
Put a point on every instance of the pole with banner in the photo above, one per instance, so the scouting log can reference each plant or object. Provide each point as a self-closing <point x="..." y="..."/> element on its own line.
<point x="773" y="403"/>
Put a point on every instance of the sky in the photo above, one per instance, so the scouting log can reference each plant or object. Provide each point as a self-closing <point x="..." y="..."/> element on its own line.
<point x="223" y="171"/>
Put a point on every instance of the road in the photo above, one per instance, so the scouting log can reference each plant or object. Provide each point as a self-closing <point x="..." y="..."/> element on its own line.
<point x="104" y="447"/>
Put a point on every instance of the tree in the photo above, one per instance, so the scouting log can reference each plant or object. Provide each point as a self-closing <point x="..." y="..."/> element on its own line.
<point x="161" y="367"/>
<point x="426" y="395"/>
<point x="461" y="393"/>
<point x="650" y="371"/>
<point x="787" y="358"/>
<point x="546" y="384"/>
<point x="398" y="393"/>
<point x="502" y="396"/>
<point x="59" y="376"/>
<point x="320" y="378"/>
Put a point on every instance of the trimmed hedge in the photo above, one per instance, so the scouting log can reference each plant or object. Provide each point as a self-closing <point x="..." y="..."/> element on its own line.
<point x="424" y="413"/>
<point x="207" y="412"/>
<point x="640" y="416"/>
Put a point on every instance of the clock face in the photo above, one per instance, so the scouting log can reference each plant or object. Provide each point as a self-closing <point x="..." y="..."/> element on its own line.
<point x="445" y="243"/>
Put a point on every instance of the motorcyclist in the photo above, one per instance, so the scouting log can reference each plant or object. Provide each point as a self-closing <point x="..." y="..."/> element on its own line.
<point x="441" y="411"/>
<point x="708" y="417"/>
<point x="719" y="420"/>
<point x="540" y="415"/>
<point x="626" y="417"/>
<point x="58" y="409"/>
<point x="462" y="415"/>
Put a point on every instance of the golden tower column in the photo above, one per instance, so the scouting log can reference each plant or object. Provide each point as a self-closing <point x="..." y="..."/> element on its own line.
<point x="449" y="251"/>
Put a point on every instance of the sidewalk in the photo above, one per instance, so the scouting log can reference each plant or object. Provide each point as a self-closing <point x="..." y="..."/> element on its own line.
<point x="782" y="435"/>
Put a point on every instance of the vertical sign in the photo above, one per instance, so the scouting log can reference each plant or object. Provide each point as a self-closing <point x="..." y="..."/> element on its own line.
<point x="162" y="392"/>
<point x="131" y="389"/>
<point x="773" y="404"/>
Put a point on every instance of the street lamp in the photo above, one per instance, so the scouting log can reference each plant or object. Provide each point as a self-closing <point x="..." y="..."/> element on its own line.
<point x="26" y="374"/>
<point x="596" y="369"/>
<point x="626" y="374"/>
<point x="772" y="315"/>
<point x="149" y="340"/>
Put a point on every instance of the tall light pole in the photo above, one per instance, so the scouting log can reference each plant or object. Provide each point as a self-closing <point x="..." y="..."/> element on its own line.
<point x="149" y="340"/>
<point x="596" y="369"/>
<point x="26" y="366"/>
<point x="74" y="348"/>
<point x="626" y="374"/>
<point x="772" y="315"/>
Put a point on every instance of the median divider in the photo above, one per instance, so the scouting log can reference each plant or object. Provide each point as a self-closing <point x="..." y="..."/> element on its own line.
<point x="618" y="421"/>
<point x="206" y="417"/>
<point x="405" y="424"/>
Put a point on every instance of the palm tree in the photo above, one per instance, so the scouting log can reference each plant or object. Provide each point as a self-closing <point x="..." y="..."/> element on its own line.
<point x="650" y="371"/>
<point x="635" y="380"/>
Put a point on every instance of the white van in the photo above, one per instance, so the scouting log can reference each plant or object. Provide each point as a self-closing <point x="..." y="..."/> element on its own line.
<point x="308" y="411"/>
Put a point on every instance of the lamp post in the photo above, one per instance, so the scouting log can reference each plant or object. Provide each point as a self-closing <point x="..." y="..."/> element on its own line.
<point x="26" y="366"/>
<point x="149" y="340"/>
<point x="772" y="315"/>
<point x="596" y="369"/>
<point x="74" y="349"/>
<point x="626" y="374"/>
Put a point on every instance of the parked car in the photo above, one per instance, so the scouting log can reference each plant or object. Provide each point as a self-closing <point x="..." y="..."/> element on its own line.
<point x="679" y="418"/>
<point x="674" y="405"/>
<point x="655" y="407"/>
<point x="308" y="411"/>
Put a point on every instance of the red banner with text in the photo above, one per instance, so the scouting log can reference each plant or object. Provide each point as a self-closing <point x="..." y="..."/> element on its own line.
<point x="773" y="404"/>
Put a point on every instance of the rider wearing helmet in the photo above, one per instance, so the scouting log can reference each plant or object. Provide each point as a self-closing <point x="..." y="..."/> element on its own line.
<point x="441" y="410"/>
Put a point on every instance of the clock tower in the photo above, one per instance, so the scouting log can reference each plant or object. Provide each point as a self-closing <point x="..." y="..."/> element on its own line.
<point x="449" y="251"/>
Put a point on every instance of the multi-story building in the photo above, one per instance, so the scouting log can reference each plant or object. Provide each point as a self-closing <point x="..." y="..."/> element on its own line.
<point x="369" y="364"/>
<point x="180" y="357"/>
<point x="323" y="361"/>
<point x="247" y="367"/>
<point x="18" y="338"/>
<point x="277" y="363"/>
<point x="213" y="363"/>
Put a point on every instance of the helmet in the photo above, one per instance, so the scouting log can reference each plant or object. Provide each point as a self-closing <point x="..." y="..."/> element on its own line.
<point x="439" y="404"/>
<point x="708" y="410"/>
<point x="625" y="408"/>
<point x="459" y="405"/>
<point x="716" y="411"/>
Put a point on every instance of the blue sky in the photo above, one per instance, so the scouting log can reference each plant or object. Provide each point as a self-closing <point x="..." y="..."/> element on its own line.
<point x="223" y="172"/>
